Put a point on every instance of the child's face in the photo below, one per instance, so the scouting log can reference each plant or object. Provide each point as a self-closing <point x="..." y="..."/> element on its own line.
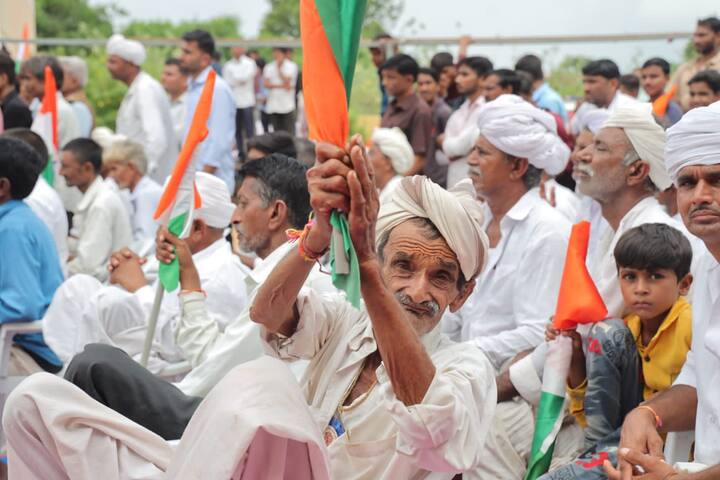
<point x="651" y="293"/>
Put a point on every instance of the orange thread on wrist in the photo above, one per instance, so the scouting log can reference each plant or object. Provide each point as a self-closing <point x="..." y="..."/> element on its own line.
<point x="658" y="420"/>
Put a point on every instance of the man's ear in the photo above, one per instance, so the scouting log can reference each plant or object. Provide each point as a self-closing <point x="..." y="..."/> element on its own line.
<point x="462" y="296"/>
<point x="278" y="215"/>
<point x="685" y="284"/>
<point x="520" y="167"/>
<point x="637" y="173"/>
<point x="5" y="188"/>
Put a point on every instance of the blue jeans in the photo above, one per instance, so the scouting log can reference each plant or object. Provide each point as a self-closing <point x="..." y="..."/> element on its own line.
<point x="614" y="388"/>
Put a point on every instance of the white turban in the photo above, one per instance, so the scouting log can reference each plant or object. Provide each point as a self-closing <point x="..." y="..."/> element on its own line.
<point x="216" y="207"/>
<point x="518" y="128"/>
<point x="694" y="140"/>
<point x="593" y="120"/>
<point x="105" y="137"/>
<point x="129" y="50"/>
<point x="646" y="137"/>
<point x="456" y="214"/>
<point x="393" y="143"/>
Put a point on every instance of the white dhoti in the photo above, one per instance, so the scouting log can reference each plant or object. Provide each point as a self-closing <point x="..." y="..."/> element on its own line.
<point x="254" y="424"/>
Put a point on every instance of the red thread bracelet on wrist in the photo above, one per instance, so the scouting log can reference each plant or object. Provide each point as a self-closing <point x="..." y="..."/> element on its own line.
<point x="299" y="236"/>
<point x="658" y="420"/>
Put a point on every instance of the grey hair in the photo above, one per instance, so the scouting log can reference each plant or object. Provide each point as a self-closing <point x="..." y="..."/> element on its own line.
<point x="77" y="67"/>
<point x="532" y="176"/>
<point x="127" y="152"/>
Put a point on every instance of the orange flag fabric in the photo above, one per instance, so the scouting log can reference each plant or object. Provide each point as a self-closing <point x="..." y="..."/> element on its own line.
<point x="579" y="300"/>
<point x="660" y="105"/>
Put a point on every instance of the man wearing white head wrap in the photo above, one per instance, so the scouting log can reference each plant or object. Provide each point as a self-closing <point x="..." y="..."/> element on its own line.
<point x="85" y="311"/>
<point x="386" y="360"/>
<point x="527" y="236"/>
<point x="692" y="155"/>
<point x="144" y="114"/>
<point x="391" y="156"/>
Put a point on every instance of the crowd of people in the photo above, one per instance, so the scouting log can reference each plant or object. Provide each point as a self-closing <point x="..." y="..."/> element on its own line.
<point x="459" y="209"/>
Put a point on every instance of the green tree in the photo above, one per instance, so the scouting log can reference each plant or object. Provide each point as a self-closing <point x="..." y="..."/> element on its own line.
<point x="566" y="78"/>
<point x="227" y="26"/>
<point x="74" y="19"/>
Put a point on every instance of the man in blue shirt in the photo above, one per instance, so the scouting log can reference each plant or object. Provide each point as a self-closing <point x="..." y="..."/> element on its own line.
<point x="543" y="94"/>
<point x="30" y="270"/>
<point x="215" y="152"/>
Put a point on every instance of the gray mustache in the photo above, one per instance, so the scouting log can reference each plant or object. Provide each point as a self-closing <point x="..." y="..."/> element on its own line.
<point x="429" y="307"/>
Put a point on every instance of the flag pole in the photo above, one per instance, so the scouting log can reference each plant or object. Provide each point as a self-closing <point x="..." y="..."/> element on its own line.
<point x="152" y="324"/>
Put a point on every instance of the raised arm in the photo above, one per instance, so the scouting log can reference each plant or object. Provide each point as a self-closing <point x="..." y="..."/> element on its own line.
<point x="274" y="304"/>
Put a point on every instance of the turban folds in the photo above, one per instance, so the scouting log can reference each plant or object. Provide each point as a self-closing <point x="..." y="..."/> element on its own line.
<point x="646" y="137"/>
<point x="456" y="214"/>
<point x="593" y="120"/>
<point x="129" y="50"/>
<point x="517" y="128"/>
<point x="694" y="140"/>
<point x="393" y="143"/>
<point x="216" y="207"/>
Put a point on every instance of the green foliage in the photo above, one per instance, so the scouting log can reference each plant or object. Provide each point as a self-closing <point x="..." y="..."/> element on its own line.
<point x="566" y="78"/>
<point x="227" y="26"/>
<point x="74" y="19"/>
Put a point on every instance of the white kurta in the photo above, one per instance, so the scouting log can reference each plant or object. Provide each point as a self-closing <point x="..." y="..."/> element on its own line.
<point x="281" y="100"/>
<point x="46" y="204"/>
<point x="460" y="135"/>
<point x="515" y="296"/>
<point x="443" y="435"/>
<point x="240" y="73"/>
<point x="144" y="200"/>
<point x="213" y="352"/>
<point x="602" y="266"/>
<point x="702" y="366"/>
<point x="566" y="202"/>
<point x="144" y="117"/>
<point x="101" y="227"/>
<point x="85" y="311"/>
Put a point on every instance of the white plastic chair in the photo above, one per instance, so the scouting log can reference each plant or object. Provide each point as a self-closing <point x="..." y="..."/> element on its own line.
<point x="678" y="446"/>
<point x="8" y="383"/>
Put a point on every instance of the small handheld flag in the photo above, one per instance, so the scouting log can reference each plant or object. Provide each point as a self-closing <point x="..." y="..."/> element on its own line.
<point x="23" y="51"/>
<point x="330" y="31"/>
<point x="578" y="302"/>
<point x="46" y="124"/>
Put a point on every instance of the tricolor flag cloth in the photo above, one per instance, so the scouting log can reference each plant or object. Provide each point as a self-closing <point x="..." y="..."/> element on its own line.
<point x="330" y="32"/>
<point x="578" y="302"/>
<point x="46" y="124"/>
<point x="23" y="51"/>
<point x="180" y="197"/>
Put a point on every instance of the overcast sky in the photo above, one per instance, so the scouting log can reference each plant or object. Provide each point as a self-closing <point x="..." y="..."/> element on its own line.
<point x="503" y="18"/>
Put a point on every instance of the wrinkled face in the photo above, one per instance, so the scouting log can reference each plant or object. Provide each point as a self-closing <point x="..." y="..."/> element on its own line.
<point x="172" y="79"/>
<point x="582" y="141"/>
<point x="493" y="89"/>
<point x="251" y="216"/>
<point x="123" y="174"/>
<point x="192" y="58"/>
<point x="698" y="199"/>
<point x="489" y="168"/>
<point x="119" y="69"/>
<point x="427" y="87"/>
<point x="704" y="40"/>
<point x="32" y="85"/>
<point x="423" y="274"/>
<point x="395" y="83"/>
<point x="467" y="80"/>
<point x="653" y="80"/>
<point x="649" y="293"/>
<point x="599" y="90"/>
<point x="701" y="95"/>
<point x="598" y="169"/>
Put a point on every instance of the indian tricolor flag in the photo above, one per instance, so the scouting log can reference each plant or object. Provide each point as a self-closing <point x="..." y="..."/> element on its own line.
<point x="578" y="302"/>
<point x="180" y="197"/>
<point x="330" y="31"/>
<point x="46" y="124"/>
<point x="23" y="51"/>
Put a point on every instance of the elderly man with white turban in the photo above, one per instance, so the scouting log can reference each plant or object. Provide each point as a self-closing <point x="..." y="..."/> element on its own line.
<point x="84" y="311"/>
<point x="144" y="114"/>
<point x="385" y="396"/>
<point x="391" y="156"/>
<point x="692" y="157"/>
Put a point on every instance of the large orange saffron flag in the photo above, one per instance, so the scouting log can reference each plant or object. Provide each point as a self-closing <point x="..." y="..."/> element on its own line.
<point x="579" y="300"/>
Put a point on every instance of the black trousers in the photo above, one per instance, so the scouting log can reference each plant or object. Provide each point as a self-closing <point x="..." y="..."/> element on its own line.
<point x="283" y="121"/>
<point x="111" y="377"/>
<point x="244" y="128"/>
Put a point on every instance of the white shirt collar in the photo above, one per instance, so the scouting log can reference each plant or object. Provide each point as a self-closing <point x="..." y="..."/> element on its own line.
<point x="91" y="194"/>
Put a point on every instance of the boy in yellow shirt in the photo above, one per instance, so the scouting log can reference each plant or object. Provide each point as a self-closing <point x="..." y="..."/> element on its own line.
<point x="619" y="363"/>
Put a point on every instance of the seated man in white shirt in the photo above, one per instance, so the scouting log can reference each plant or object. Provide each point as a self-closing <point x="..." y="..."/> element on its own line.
<point x="516" y="295"/>
<point x="44" y="200"/>
<point x="84" y="311"/>
<point x="101" y="225"/>
<point x="377" y="373"/>
<point x="391" y="156"/>
<point x="691" y="156"/>
<point x="127" y="165"/>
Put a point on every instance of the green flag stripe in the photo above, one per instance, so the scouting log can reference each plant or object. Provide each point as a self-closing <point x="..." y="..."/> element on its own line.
<point x="342" y="21"/>
<point x="549" y="413"/>
<point x="169" y="273"/>
<point x="49" y="172"/>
